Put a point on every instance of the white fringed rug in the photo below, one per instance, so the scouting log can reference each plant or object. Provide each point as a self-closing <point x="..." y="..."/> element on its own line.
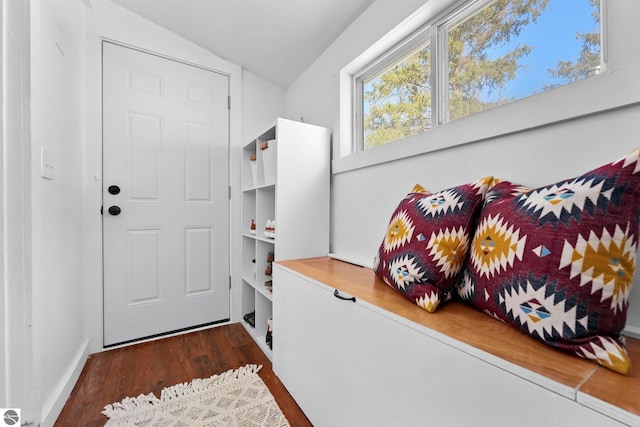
<point x="235" y="398"/>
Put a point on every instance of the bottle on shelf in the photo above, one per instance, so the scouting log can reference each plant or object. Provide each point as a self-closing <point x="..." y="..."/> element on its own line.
<point x="252" y="229"/>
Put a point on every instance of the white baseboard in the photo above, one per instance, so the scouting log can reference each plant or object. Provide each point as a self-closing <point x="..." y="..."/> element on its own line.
<point x="632" y="331"/>
<point x="50" y="412"/>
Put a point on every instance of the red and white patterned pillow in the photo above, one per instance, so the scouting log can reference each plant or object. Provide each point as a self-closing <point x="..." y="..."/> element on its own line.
<point x="558" y="262"/>
<point x="427" y="241"/>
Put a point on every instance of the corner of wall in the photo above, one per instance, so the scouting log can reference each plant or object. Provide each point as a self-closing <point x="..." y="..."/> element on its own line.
<point x="54" y="405"/>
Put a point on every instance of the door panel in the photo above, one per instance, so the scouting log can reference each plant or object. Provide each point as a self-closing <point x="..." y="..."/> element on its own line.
<point x="198" y="160"/>
<point x="198" y="243"/>
<point x="142" y="253"/>
<point x="165" y="145"/>
<point x="143" y="139"/>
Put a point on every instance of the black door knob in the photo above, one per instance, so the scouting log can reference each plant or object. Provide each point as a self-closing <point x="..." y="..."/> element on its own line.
<point x="115" y="210"/>
<point x="113" y="189"/>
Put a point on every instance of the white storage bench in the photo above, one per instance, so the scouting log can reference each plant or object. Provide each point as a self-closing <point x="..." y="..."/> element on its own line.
<point x="382" y="361"/>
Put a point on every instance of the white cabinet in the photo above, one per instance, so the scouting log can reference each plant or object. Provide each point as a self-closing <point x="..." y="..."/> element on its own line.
<point x="287" y="182"/>
<point x="350" y="364"/>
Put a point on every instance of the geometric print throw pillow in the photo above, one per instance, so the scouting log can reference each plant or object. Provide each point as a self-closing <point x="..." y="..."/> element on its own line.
<point x="427" y="241"/>
<point x="558" y="262"/>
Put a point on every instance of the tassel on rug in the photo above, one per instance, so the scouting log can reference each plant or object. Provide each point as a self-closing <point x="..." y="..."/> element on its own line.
<point x="226" y="399"/>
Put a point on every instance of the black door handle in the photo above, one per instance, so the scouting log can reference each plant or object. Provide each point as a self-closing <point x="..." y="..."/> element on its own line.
<point x="337" y="295"/>
<point x="115" y="210"/>
<point x="113" y="189"/>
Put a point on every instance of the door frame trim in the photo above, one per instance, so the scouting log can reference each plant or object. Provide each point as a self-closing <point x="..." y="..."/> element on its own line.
<point x="160" y="55"/>
<point x="16" y="287"/>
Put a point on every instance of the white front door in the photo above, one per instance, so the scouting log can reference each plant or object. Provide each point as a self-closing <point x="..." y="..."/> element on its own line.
<point x="165" y="195"/>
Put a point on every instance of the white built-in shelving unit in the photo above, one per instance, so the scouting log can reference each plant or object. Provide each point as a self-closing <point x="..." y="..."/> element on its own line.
<point x="288" y="182"/>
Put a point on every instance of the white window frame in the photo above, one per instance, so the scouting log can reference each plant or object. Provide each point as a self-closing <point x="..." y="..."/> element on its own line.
<point x="421" y="37"/>
<point x="616" y="87"/>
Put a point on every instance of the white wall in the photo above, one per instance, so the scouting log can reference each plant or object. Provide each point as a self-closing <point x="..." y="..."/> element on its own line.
<point x="59" y="333"/>
<point x="363" y="199"/>
<point x="262" y="103"/>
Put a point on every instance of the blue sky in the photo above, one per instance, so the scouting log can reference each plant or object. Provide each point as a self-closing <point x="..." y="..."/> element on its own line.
<point x="554" y="39"/>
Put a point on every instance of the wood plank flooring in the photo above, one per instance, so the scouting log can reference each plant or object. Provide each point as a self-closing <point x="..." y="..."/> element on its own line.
<point x="149" y="367"/>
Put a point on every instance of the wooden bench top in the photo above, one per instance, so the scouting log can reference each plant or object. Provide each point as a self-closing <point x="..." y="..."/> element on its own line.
<point x="468" y="325"/>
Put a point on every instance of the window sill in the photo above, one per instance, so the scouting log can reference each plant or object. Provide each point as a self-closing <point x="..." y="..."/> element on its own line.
<point x="602" y="93"/>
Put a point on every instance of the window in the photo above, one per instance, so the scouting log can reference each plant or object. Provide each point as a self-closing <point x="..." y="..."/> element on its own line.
<point x="484" y="54"/>
<point x="397" y="100"/>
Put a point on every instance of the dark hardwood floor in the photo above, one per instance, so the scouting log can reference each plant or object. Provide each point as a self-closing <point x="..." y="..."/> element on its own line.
<point x="149" y="367"/>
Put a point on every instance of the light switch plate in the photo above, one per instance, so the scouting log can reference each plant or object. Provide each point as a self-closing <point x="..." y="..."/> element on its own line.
<point x="46" y="164"/>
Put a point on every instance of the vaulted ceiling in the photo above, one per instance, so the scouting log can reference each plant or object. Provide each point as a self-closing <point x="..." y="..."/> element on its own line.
<point x="276" y="40"/>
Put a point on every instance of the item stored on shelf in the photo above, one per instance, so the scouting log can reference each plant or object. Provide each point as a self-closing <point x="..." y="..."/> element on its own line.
<point x="269" y="269"/>
<point x="270" y="229"/>
<point x="269" y="337"/>
<point x="250" y="318"/>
